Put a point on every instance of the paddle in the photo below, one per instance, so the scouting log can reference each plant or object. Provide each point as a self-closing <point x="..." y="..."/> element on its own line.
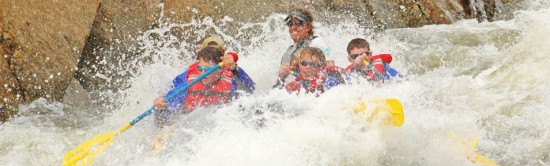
<point x="295" y="74"/>
<point x="392" y="106"/>
<point x="468" y="149"/>
<point x="85" y="153"/>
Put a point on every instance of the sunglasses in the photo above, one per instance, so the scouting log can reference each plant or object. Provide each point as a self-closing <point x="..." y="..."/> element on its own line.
<point x="205" y="68"/>
<point x="353" y="56"/>
<point x="297" y="23"/>
<point x="312" y="64"/>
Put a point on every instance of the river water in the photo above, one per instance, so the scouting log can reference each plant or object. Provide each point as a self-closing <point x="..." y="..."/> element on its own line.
<point x="472" y="80"/>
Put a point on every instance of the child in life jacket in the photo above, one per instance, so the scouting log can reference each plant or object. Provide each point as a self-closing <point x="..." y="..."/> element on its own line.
<point x="363" y="63"/>
<point x="313" y="74"/>
<point x="217" y="88"/>
<point x="244" y="82"/>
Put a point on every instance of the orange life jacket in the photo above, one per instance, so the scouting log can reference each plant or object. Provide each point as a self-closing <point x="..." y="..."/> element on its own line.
<point x="199" y="95"/>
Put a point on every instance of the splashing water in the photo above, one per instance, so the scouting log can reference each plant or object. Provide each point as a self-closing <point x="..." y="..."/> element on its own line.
<point x="475" y="79"/>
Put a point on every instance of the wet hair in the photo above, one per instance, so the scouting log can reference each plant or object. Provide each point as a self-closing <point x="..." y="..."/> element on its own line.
<point x="210" y="54"/>
<point x="308" y="14"/>
<point x="358" y="43"/>
<point x="314" y="52"/>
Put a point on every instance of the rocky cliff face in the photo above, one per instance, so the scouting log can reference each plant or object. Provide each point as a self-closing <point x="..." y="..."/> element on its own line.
<point x="40" y="45"/>
<point x="44" y="45"/>
<point x="112" y="39"/>
<point x="10" y="92"/>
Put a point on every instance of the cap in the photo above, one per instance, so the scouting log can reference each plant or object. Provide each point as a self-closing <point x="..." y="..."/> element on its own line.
<point x="217" y="40"/>
<point x="299" y="15"/>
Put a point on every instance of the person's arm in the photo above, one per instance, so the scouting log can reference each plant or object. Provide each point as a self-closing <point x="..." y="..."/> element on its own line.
<point x="165" y="116"/>
<point x="284" y="71"/>
<point x="244" y="82"/>
<point x="233" y="91"/>
<point x="279" y="84"/>
<point x="158" y="142"/>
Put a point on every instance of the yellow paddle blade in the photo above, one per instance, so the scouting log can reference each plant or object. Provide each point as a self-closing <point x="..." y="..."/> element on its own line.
<point x="392" y="106"/>
<point x="477" y="158"/>
<point x="468" y="149"/>
<point x="396" y="110"/>
<point x="85" y="153"/>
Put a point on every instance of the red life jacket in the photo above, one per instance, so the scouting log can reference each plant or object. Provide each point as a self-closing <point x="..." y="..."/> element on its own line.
<point x="318" y="81"/>
<point x="336" y="72"/>
<point x="386" y="58"/>
<point x="377" y="61"/>
<point x="315" y="85"/>
<point x="198" y="95"/>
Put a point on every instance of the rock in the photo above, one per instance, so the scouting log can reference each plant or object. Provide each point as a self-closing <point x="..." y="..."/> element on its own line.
<point x="42" y="42"/>
<point x="402" y="14"/>
<point x="9" y="86"/>
<point x="112" y="43"/>
<point x="76" y="96"/>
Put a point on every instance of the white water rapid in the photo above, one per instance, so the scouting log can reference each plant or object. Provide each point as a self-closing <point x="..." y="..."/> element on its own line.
<point x="486" y="80"/>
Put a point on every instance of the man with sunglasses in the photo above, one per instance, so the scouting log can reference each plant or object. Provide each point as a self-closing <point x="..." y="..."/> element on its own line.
<point x="363" y="63"/>
<point x="314" y="75"/>
<point x="300" y="28"/>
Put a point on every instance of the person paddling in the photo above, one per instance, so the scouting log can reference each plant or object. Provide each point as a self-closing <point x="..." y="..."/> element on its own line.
<point x="244" y="82"/>
<point x="300" y="29"/>
<point x="367" y="65"/>
<point x="217" y="88"/>
<point x="314" y="75"/>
